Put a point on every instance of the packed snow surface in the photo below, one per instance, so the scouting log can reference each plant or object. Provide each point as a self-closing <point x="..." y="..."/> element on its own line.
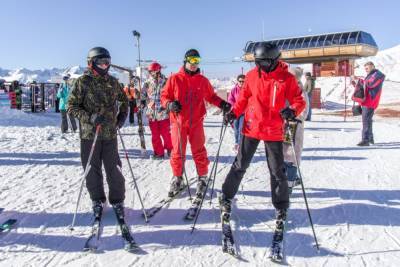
<point x="353" y="193"/>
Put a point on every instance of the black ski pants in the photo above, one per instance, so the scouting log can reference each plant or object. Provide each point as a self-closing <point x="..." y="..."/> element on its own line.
<point x="274" y="153"/>
<point x="132" y="106"/>
<point x="105" y="152"/>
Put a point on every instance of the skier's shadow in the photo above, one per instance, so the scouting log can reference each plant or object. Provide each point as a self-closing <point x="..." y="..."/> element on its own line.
<point x="162" y="239"/>
<point x="385" y="210"/>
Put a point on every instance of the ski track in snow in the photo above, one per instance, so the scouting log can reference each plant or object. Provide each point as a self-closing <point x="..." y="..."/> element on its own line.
<point x="353" y="194"/>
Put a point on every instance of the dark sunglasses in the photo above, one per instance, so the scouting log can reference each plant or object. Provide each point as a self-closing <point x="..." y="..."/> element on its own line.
<point x="101" y="61"/>
<point x="241" y="81"/>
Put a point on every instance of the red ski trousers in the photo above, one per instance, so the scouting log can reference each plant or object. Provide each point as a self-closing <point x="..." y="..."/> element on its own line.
<point x="195" y="134"/>
<point x="160" y="129"/>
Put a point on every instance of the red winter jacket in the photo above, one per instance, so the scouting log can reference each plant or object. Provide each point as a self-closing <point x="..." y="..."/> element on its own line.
<point x="373" y="89"/>
<point x="262" y="99"/>
<point x="191" y="92"/>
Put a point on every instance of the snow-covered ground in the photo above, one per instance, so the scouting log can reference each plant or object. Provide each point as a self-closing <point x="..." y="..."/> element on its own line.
<point x="353" y="193"/>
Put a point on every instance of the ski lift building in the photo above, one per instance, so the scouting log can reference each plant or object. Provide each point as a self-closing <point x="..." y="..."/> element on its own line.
<point x="331" y="54"/>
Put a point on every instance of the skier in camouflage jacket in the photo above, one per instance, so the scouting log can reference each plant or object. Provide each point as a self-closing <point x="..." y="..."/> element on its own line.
<point x="97" y="99"/>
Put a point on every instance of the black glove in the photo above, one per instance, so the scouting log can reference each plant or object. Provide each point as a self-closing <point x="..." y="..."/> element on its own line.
<point x="174" y="106"/>
<point x="121" y="117"/>
<point x="229" y="117"/>
<point x="288" y="114"/>
<point x="97" y="119"/>
<point x="225" y="106"/>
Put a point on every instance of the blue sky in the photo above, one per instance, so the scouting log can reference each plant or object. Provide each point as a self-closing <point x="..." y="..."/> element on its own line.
<point x="58" y="33"/>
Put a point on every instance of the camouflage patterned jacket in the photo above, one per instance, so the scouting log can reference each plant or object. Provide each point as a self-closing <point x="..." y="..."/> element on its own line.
<point x="151" y="93"/>
<point x="95" y="94"/>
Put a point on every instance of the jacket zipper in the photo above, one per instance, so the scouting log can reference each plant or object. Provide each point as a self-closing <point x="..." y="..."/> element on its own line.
<point x="274" y="96"/>
<point x="191" y="108"/>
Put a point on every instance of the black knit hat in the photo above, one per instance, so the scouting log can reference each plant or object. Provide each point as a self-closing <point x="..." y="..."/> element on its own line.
<point x="192" y="53"/>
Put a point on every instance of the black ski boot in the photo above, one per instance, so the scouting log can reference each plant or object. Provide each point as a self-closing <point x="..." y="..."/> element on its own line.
<point x="276" y="254"/>
<point x="225" y="206"/>
<point x="97" y="207"/>
<point x="119" y="212"/>
<point x="200" y="191"/>
<point x="176" y="186"/>
<point x="201" y="186"/>
<point x="157" y="157"/>
<point x="228" y="243"/>
<point x="129" y="242"/>
<point x="92" y="241"/>
<point x="363" y="143"/>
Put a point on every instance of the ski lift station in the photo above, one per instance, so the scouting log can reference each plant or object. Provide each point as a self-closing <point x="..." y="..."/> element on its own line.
<point x="331" y="54"/>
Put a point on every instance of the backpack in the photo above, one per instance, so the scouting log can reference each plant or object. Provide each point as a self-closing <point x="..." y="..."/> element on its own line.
<point x="359" y="94"/>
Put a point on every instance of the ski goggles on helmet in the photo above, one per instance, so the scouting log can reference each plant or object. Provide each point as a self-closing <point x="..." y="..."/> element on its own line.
<point x="102" y="60"/>
<point x="193" y="60"/>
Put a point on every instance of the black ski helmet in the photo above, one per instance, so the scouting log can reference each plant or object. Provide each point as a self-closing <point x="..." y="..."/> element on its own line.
<point x="266" y="56"/>
<point x="98" y="52"/>
<point x="192" y="53"/>
<point x="266" y="50"/>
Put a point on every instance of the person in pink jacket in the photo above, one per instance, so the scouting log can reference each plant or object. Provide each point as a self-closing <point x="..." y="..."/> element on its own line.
<point x="232" y="98"/>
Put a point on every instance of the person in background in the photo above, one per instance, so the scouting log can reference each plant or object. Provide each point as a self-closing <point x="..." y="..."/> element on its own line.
<point x="238" y="123"/>
<point x="2" y="86"/>
<point x="158" y="116"/>
<point x="130" y="92"/>
<point x="372" y="85"/>
<point x="309" y="87"/>
<point x="297" y="132"/>
<point x="18" y="94"/>
<point x="63" y="94"/>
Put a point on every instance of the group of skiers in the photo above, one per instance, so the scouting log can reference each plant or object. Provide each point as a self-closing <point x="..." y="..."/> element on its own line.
<point x="269" y="96"/>
<point x="268" y="100"/>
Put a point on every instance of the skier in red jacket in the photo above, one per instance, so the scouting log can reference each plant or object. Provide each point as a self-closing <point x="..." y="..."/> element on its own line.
<point x="184" y="96"/>
<point x="266" y="90"/>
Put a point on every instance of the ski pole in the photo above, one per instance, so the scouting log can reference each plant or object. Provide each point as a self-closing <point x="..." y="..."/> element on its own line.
<point x="223" y="129"/>
<point x="85" y="173"/>
<point x="301" y="180"/>
<point x="140" y="110"/>
<point x="214" y="167"/>
<point x="133" y="176"/>
<point x="69" y="122"/>
<point x="181" y="152"/>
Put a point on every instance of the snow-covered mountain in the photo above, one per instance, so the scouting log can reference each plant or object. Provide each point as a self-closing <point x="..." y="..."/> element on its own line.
<point x="388" y="61"/>
<point x="51" y="75"/>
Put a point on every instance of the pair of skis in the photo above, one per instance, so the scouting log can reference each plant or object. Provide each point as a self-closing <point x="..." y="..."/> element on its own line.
<point x="228" y="242"/>
<point x="164" y="202"/>
<point x="92" y="242"/>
